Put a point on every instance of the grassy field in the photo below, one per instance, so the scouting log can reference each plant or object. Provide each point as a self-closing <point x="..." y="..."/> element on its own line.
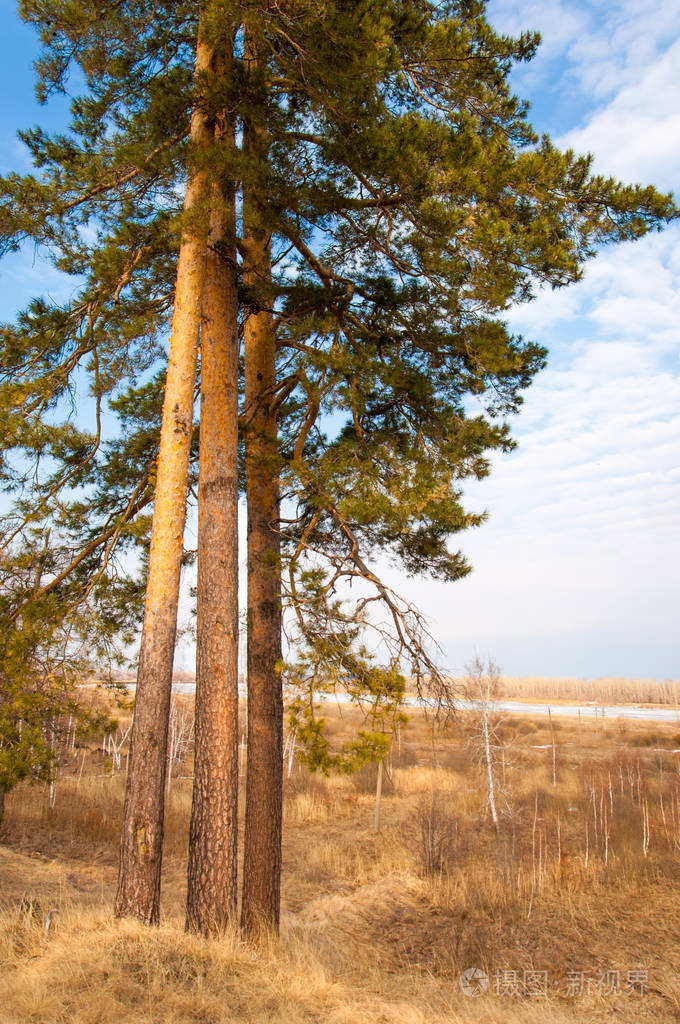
<point x="570" y="690"/>
<point x="570" y="908"/>
<point x="611" y="690"/>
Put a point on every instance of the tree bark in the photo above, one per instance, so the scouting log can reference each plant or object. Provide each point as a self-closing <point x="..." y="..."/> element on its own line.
<point x="213" y="836"/>
<point x="139" y="876"/>
<point x="264" y="771"/>
<point x="486" y="698"/>
<point x="378" y="797"/>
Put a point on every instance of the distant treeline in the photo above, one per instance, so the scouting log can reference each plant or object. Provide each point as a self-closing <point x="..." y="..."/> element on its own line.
<point x="606" y="690"/>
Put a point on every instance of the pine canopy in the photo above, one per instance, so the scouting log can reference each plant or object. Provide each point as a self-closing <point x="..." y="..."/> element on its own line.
<point x="409" y="204"/>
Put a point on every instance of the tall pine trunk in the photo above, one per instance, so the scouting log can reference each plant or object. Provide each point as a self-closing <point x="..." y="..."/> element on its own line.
<point x="213" y="836"/>
<point x="139" y="876"/>
<point x="264" y="773"/>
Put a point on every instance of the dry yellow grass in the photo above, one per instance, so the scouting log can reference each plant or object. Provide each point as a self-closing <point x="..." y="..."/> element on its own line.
<point x="582" y="876"/>
<point x="605" y="690"/>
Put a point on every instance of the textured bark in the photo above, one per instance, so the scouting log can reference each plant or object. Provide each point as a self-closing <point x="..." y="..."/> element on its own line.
<point x="264" y="772"/>
<point x="212" y="872"/>
<point x="2" y="805"/>
<point x="486" y="699"/>
<point x="139" y="876"/>
<point x="378" y="797"/>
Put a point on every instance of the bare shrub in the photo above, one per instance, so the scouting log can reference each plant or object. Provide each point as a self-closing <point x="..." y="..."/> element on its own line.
<point x="181" y="735"/>
<point x="435" y="832"/>
<point x="486" y="742"/>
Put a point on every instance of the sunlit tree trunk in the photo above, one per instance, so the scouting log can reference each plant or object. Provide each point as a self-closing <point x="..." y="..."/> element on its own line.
<point x="486" y="696"/>
<point x="139" y="877"/>
<point x="378" y="797"/>
<point x="212" y="872"/>
<point x="264" y="773"/>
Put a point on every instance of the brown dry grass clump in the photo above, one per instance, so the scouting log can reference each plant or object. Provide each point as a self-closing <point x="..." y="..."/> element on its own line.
<point x="582" y="876"/>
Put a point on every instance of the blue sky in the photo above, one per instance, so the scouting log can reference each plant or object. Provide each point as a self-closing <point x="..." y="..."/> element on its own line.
<point x="22" y="277"/>
<point x="576" y="569"/>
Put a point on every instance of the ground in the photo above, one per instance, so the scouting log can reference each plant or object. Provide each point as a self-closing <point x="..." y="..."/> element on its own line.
<point x="569" y="908"/>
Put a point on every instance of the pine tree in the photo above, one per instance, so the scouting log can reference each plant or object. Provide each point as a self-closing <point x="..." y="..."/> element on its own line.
<point x="264" y="780"/>
<point x="113" y="171"/>
<point x="212" y="874"/>
<point x="142" y="842"/>
<point x="413" y="204"/>
<point x="395" y="203"/>
<point x="120" y="177"/>
<point x="44" y="653"/>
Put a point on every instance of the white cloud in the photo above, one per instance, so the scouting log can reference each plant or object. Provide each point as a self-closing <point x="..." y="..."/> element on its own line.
<point x="560" y="24"/>
<point x="575" y="571"/>
<point x="595" y="48"/>
<point x="636" y="136"/>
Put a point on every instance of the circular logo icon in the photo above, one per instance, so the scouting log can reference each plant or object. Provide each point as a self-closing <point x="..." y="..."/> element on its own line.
<point x="474" y="981"/>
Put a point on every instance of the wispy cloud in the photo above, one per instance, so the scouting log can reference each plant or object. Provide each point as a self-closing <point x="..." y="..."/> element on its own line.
<point x="576" y="570"/>
<point x="636" y="135"/>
